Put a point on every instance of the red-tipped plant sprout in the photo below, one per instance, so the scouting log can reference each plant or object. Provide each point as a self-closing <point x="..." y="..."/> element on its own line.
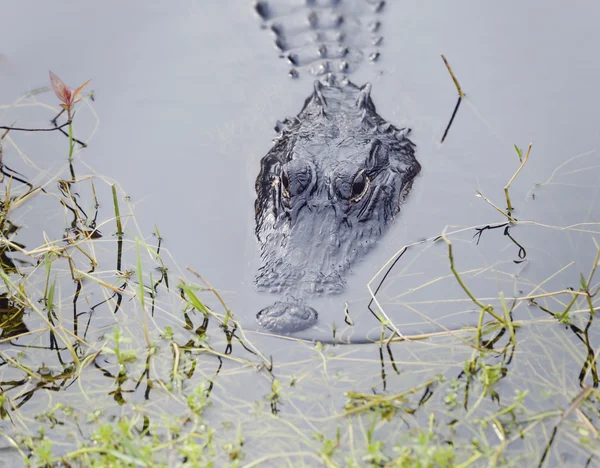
<point x="68" y="99"/>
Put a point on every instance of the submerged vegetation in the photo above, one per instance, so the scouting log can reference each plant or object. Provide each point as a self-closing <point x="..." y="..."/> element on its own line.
<point x="113" y="355"/>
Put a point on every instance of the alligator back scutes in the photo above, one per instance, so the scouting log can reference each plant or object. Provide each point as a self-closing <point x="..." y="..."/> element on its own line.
<point x="323" y="36"/>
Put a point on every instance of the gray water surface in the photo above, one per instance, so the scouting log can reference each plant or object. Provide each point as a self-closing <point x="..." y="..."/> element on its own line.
<point x="186" y="97"/>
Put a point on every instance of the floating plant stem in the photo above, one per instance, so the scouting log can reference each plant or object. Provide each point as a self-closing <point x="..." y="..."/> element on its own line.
<point x="456" y="83"/>
<point x="510" y="218"/>
<point x="21" y="129"/>
<point x="460" y="96"/>
<point x="579" y="399"/>
<point x="119" y="227"/>
<point x="508" y="319"/>
<point x="141" y="292"/>
<point x="509" y="206"/>
<point x="489" y="309"/>
<point x="71" y="143"/>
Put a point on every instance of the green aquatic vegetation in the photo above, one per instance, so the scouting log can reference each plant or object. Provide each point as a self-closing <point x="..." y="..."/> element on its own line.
<point x="198" y="399"/>
<point x="106" y="360"/>
<point x="491" y="375"/>
<point x="329" y="446"/>
<point x="41" y="452"/>
<point x="452" y="393"/>
<point x="124" y="356"/>
<point x="424" y="449"/>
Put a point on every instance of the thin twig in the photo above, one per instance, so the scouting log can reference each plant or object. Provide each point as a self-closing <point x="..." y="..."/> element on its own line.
<point x="579" y="399"/>
<point x="489" y="309"/>
<point x="458" y="88"/>
<point x="508" y="318"/>
<point x="20" y="129"/>
<point x="510" y="218"/>
<point x="509" y="205"/>
<point x="460" y="96"/>
<point x="451" y="119"/>
<point x="79" y="142"/>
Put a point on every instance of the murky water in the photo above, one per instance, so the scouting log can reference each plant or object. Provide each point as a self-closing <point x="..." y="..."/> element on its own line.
<point x="186" y="97"/>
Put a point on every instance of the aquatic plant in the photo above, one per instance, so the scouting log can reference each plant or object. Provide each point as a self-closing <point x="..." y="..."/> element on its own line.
<point x="68" y="99"/>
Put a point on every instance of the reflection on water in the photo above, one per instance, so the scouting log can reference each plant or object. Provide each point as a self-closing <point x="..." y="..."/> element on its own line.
<point x="11" y="313"/>
<point x="11" y="319"/>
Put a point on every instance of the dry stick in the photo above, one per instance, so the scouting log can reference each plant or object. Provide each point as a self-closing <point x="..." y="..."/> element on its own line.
<point x="501" y="434"/>
<point x="458" y="88"/>
<point x="4" y="168"/>
<point x="16" y="364"/>
<point x="460" y="96"/>
<point x="176" y="357"/>
<point x="2" y="138"/>
<point x="19" y="129"/>
<point x="575" y="404"/>
<point x="510" y="218"/>
<point x="454" y="112"/>
<point x="141" y="294"/>
<point x="509" y="205"/>
<point x="452" y="332"/>
<point x="596" y="260"/>
<point x="508" y="318"/>
<point x="119" y="226"/>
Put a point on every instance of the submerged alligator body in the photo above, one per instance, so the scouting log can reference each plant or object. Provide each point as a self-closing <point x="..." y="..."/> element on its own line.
<point x="334" y="180"/>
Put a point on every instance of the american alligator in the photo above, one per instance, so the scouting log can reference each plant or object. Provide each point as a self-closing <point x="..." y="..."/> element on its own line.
<point x="338" y="172"/>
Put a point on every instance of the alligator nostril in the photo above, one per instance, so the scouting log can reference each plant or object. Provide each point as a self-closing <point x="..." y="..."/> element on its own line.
<point x="287" y="317"/>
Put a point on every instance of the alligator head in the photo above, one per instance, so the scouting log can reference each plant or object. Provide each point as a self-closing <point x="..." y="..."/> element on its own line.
<point x="334" y="179"/>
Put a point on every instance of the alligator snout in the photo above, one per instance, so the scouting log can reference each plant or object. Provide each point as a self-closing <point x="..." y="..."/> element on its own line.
<point x="287" y="317"/>
<point x="286" y="277"/>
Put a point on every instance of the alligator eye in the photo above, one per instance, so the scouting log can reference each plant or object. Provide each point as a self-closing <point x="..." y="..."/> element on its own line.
<point x="359" y="186"/>
<point x="285" y="185"/>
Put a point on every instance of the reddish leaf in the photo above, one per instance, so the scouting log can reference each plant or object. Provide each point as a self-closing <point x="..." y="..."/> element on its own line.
<point x="76" y="96"/>
<point x="62" y="91"/>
